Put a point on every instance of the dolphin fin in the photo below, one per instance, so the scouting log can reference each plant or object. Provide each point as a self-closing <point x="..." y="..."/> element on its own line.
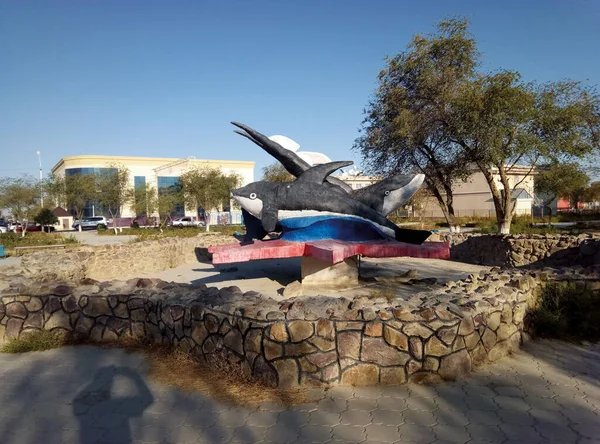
<point x="293" y="163"/>
<point x="319" y="173"/>
<point x="269" y="218"/>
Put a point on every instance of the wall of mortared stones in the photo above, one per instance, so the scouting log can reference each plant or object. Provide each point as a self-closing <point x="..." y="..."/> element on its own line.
<point x="117" y="261"/>
<point x="523" y="250"/>
<point x="438" y="335"/>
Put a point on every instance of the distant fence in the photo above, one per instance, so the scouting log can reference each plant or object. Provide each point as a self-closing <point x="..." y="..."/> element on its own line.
<point x="216" y="218"/>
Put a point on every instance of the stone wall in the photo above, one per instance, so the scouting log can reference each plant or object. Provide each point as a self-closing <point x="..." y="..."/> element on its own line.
<point x="441" y="334"/>
<point x="523" y="250"/>
<point x="117" y="261"/>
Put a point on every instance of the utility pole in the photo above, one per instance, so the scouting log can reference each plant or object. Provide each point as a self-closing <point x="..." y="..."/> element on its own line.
<point x="41" y="179"/>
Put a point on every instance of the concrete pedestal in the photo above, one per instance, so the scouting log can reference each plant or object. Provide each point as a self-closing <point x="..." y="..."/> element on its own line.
<point x="320" y="273"/>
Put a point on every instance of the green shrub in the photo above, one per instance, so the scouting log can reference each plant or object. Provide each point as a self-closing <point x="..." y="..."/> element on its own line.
<point x="36" y="341"/>
<point x="568" y="310"/>
<point x="12" y="240"/>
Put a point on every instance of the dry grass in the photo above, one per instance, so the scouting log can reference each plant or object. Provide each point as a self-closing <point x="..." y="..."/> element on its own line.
<point x="176" y="368"/>
<point x="226" y="384"/>
<point x="36" y="341"/>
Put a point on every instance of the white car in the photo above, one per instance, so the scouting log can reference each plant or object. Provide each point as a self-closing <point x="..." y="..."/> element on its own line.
<point x="3" y="229"/>
<point x="181" y="222"/>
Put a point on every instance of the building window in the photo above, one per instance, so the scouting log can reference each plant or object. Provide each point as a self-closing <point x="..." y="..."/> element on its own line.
<point x="92" y="207"/>
<point x="139" y="181"/>
<point x="172" y="185"/>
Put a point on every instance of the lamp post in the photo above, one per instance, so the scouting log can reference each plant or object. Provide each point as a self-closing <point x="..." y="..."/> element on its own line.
<point x="41" y="178"/>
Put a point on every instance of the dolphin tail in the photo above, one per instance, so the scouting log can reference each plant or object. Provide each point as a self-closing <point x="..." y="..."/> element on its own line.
<point x="319" y="173"/>
<point x="416" y="237"/>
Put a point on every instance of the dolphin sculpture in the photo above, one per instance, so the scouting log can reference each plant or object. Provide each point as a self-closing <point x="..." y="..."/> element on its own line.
<point x="308" y="195"/>
<point x="384" y="196"/>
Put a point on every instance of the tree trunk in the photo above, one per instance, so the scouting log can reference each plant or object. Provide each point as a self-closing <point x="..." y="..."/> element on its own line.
<point x="447" y="208"/>
<point x="502" y="200"/>
<point x="207" y="221"/>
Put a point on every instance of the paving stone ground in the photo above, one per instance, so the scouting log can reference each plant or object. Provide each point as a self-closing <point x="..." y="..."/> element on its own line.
<point x="547" y="393"/>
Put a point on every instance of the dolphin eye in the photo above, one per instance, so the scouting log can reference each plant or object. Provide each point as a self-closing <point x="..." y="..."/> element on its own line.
<point x="387" y="192"/>
<point x="252" y="195"/>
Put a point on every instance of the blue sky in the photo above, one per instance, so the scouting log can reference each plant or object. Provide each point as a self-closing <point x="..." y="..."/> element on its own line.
<point x="165" y="78"/>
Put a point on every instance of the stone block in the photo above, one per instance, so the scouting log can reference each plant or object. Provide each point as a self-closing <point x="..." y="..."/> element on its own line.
<point x="34" y="304"/>
<point x="120" y="311"/>
<point x="199" y="333"/>
<point x="213" y="344"/>
<point x="331" y="373"/>
<point x="16" y="310"/>
<point x="425" y="378"/>
<point x="322" y="344"/>
<point x="265" y="374"/>
<point x="325" y="329"/>
<point x="447" y="334"/>
<point x="34" y="320"/>
<point x="349" y="344"/>
<point x="322" y="359"/>
<point x="278" y="332"/>
<point x="416" y="329"/>
<point x="431" y="364"/>
<point x="466" y="326"/>
<point x="272" y="350"/>
<point x="287" y="373"/>
<point x="493" y="320"/>
<point x="376" y="350"/>
<point x="395" y="338"/>
<point x="253" y="340"/>
<point x="471" y="340"/>
<point x="58" y="319"/>
<point x="415" y="346"/>
<point x="505" y="331"/>
<point x="478" y="355"/>
<point x="506" y="315"/>
<point x="97" y="306"/>
<point x="455" y="366"/>
<point x="211" y="322"/>
<point x="488" y="338"/>
<point x="299" y="349"/>
<point x="435" y="347"/>
<point x="234" y="341"/>
<point x="349" y="325"/>
<point x="300" y="330"/>
<point x="306" y="365"/>
<point x="361" y="375"/>
<point x="13" y="328"/>
<point x="393" y="375"/>
<point x="84" y="325"/>
<point x="374" y="329"/>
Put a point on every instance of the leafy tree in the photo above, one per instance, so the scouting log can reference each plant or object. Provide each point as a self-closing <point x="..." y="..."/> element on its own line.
<point x="165" y="201"/>
<point x="560" y="180"/>
<point x="404" y="128"/>
<point x="45" y="218"/>
<point x="435" y="113"/>
<point x="276" y="173"/>
<point x="74" y="191"/>
<point x="208" y="188"/>
<point x="114" y="190"/>
<point x="592" y="193"/>
<point x="420" y="201"/>
<point x="144" y="200"/>
<point x="502" y="122"/>
<point x="21" y="197"/>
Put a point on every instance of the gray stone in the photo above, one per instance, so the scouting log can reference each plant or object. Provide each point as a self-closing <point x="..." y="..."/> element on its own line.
<point x="454" y="366"/>
<point x="376" y="350"/>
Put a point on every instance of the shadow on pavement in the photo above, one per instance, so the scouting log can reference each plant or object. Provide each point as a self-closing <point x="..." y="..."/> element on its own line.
<point x="113" y="405"/>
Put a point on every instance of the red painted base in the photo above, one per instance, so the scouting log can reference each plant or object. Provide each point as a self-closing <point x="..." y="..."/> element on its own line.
<point x="327" y="250"/>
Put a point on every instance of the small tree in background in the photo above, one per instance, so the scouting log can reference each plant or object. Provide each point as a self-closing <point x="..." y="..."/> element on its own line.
<point x="208" y="188"/>
<point x="277" y="173"/>
<point x="74" y="191"/>
<point x="592" y="193"/>
<point x="165" y="202"/>
<point x="114" y="190"/>
<point x="21" y="196"/>
<point x="560" y="180"/>
<point x="45" y="218"/>
<point x="144" y="201"/>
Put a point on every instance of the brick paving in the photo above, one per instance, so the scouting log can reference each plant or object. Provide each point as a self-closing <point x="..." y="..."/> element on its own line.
<point x="547" y="393"/>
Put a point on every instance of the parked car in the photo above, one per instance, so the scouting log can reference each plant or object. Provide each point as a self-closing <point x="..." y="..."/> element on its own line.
<point x="181" y="222"/>
<point x="31" y="226"/>
<point x="3" y="226"/>
<point x="91" y="223"/>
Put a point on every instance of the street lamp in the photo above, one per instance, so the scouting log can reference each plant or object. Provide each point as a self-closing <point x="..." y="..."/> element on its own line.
<point x="41" y="178"/>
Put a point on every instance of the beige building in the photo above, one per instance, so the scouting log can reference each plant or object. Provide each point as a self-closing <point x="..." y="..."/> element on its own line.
<point x="474" y="198"/>
<point x="158" y="172"/>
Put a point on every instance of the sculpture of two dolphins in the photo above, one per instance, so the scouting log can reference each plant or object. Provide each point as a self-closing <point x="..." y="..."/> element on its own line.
<point x="272" y="202"/>
<point x="384" y="196"/>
